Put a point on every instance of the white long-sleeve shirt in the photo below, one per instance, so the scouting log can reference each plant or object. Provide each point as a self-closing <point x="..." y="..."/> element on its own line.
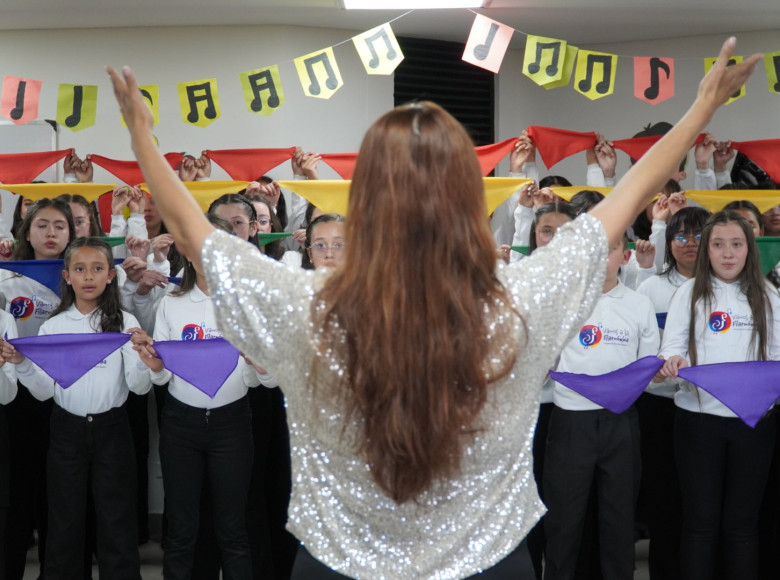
<point x="29" y="302"/>
<point x="8" y="387"/>
<point x="102" y="388"/>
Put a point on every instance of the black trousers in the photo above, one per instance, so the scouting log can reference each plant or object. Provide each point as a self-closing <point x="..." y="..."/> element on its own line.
<point x="585" y="447"/>
<point x="214" y="447"/>
<point x="94" y="451"/>
<point x="723" y="466"/>
<point x="516" y="566"/>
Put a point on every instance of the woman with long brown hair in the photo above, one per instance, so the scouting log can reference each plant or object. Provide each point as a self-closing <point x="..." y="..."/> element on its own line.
<point x="413" y="374"/>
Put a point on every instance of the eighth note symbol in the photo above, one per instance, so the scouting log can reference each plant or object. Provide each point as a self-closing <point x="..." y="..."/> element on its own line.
<point x="481" y="51"/>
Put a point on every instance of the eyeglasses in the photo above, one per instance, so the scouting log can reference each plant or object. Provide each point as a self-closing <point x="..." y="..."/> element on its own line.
<point x="263" y="221"/>
<point x="546" y="233"/>
<point x="682" y="241"/>
<point x="321" y="249"/>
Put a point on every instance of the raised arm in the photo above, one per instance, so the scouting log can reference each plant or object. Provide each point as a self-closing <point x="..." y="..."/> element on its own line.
<point x="647" y="176"/>
<point x="179" y="210"/>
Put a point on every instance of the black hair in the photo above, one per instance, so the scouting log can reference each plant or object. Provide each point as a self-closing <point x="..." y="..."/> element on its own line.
<point x="273" y="249"/>
<point x="562" y="207"/>
<point x="237" y="199"/>
<point x="94" y="220"/>
<point x="109" y="302"/>
<point x="23" y="249"/>
<point x="554" y="180"/>
<point x="691" y="221"/>
<point x="583" y="201"/>
<point x="659" y="129"/>
<point x="189" y="276"/>
<point x="325" y="218"/>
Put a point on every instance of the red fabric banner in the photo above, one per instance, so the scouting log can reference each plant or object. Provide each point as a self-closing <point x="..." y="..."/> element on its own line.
<point x="638" y="146"/>
<point x="554" y="145"/>
<point x="24" y="167"/>
<point x="341" y="163"/>
<point x="490" y="155"/>
<point x="129" y="171"/>
<point x="764" y="153"/>
<point x="249" y="164"/>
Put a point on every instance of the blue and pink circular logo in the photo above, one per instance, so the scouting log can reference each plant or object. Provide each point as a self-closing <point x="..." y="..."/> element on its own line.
<point x="22" y="308"/>
<point x="590" y="336"/>
<point x="192" y="332"/>
<point x="720" y="322"/>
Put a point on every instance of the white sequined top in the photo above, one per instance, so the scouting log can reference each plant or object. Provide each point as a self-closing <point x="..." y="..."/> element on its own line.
<point x="460" y="526"/>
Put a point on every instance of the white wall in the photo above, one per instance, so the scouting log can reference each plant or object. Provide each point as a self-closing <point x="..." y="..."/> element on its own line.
<point x="166" y="56"/>
<point x="620" y="115"/>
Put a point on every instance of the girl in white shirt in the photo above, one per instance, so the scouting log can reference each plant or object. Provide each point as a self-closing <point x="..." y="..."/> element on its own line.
<point x="91" y="445"/>
<point x="727" y="313"/>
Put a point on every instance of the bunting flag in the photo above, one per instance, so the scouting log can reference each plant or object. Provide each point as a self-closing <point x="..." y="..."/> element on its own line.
<point x="636" y="147"/>
<point x="772" y="65"/>
<point x="595" y="74"/>
<point x="615" y="391"/>
<point x="661" y="319"/>
<point x="332" y="196"/>
<point x="653" y="79"/>
<point x="199" y="101"/>
<point x="249" y="164"/>
<point x="255" y="83"/>
<point x="24" y="167"/>
<point x="708" y="62"/>
<point x="715" y="200"/>
<point x="379" y="50"/>
<point x="554" y="145"/>
<point x="490" y="155"/>
<point x="487" y="43"/>
<point x="749" y="389"/>
<point x="765" y="153"/>
<point x="319" y="74"/>
<point x="205" y="192"/>
<point x="205" y="364"/>
<point x="129" y="171"/>
<point x="543" y="59"/>
<point x="36" y="191"/>
<point x="46" y="272"/>
<point x="341" y="163"/>
<point x="68" y="357"/>
<point x="151" y="94"/>
<point x="568" y="68"/>
<point x="19" y="102"/>
<point x="768" y="252"/>
<point x="76" y="106"/>
<point x="265" y="239"/>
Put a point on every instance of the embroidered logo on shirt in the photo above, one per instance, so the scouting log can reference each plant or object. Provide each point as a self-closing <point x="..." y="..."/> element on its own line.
<point x="720" y="322"/>
<point x="590" y="336"/>
<point x="192" y="332"/>
<point x="22" y="308"/>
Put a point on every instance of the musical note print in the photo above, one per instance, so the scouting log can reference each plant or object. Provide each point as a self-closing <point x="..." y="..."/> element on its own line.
<point x="199" y="102"/>
<point x="487" y="43"/>
<point x="708" y="62"/>
<point x="772" y="65"/>
<point x="262" y="90"/>
<point x="544" y="59"/>
<point x="151" y="94"/>
<point x="379" y="50"/>
<point x="319" y="74"/>
<point x="76" y="106"/>
<point x="20" y="99"/>
<point x="653" y="79"/>
<point x="589" y="65"/>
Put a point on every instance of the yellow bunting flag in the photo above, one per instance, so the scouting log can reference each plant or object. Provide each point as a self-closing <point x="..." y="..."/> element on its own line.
<point x="379" y="50"/>
<point x="566" y="193"/>
<point x="764" y="199"/>
<point x="544" y="58"/>
<point x="36" y="191"/>
<point x="708" y="62"/>
<point x="205" y="192"/>
<point x="199" y="102"/>
<point x="151" y="94"/>
<point x="772" y="64"/>
<point x="76" y="106"/>
<point x="568" y="68"/>
<point x="595" y="74"/>
<point x="487" y="43"/>
<point x="332" y="196"/>
<point x="319" y="73"/>
<point x="262" y="89"/>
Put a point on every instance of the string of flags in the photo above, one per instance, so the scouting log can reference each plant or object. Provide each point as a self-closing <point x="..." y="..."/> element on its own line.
<point x="549" y="62"/>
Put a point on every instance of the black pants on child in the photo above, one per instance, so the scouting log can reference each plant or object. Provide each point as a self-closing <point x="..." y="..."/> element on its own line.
<point x="723" y="466"/>
<point x="94" y="451"/>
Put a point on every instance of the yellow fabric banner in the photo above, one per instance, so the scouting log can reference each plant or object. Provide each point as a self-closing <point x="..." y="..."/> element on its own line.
<point x="764" y="199"/>
<point x="205" y="192"/>
<point x="36" y="191"/>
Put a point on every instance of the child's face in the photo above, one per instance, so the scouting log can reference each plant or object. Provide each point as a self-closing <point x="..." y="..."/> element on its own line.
<point x="547" y="226"/>
<point x="49" y="234"/>
<point x="327" y="245"/>
<point x="80" y="219"/>
<point x="235" y="215"/>
<point x="88" y="273"/>
<point x="751" y="218"/>
<point x="263" y="217"/>
<point x="727" y="250"/>
<point x="685" y="254"/>
<point x="617" y="257"/>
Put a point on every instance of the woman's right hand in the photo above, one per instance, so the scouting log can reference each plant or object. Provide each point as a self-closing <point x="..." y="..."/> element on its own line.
<point x="136" y="113"/>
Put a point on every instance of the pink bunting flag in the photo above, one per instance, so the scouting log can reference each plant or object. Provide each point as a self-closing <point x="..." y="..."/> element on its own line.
<point x="653" y="79"/>
<point x="487" y="43"/>
<point x="19" y="102"/>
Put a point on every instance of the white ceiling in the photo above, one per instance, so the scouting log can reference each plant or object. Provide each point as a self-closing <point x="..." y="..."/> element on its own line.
<point x="577" y="21"/>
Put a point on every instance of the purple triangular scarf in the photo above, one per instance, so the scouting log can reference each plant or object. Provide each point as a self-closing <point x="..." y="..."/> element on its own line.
<point x="205" y="364"/>
<point x="615" y="391"/>
<point x="68" y="357"/>
<point x="747" y="388"/>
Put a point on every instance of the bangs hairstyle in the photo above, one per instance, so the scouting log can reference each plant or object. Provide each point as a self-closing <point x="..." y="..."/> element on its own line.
<point x="752" y="283"/>
<point x="689" y="221"/>
<point x="23" y="249"/>
<point x="419" y="274"/>
<point x="109" y="310"/>
<point x="240" y="200"/>
<point x="325" y="218"/>
<point x="561" y="207"/>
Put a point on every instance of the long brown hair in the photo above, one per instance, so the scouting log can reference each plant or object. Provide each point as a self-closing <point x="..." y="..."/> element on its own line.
<point x="752" y="283"/>
<point x="411" y="309"/>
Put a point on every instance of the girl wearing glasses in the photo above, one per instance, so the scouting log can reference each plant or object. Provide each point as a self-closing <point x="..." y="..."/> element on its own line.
<point x="325" y="242"/>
